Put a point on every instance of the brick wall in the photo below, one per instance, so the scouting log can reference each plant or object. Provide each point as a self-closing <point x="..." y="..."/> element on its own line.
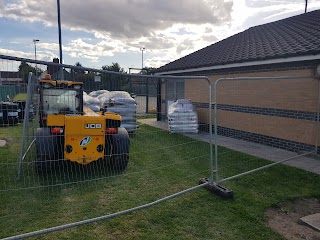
<point x="280" y="113"/>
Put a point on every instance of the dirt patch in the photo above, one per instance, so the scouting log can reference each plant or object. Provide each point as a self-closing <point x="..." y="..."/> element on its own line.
<point x="285" y="219"/>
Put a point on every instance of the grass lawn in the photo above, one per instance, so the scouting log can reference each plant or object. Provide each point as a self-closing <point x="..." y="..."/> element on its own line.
<point x="147" y="115"/>
<point x="160" y="164"/>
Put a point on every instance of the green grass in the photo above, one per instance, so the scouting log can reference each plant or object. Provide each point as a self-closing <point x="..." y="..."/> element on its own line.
<point x="147" y="115"/>
<point x="160" y="164"/>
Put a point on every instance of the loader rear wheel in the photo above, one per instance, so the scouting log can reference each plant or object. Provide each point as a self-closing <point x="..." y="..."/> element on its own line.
<point x="119" y="162"/>
<point x="43" y="165"/>
<point x="49" y="149"/>
<point x="118" y="149"/>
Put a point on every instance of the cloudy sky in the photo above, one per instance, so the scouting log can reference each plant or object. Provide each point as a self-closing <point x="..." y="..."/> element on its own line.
<point x="99" y="32"/>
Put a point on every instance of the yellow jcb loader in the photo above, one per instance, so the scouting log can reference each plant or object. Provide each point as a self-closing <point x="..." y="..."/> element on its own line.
<point x="71" y="132"/>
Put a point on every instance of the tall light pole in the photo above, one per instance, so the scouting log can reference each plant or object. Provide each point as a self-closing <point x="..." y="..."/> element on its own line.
<point x="59" y="30"/>
<point x="35" y="52"/>
<point x="142" y="49"/>
<point x="306" y="6"/>
<point x="60" y="39"/>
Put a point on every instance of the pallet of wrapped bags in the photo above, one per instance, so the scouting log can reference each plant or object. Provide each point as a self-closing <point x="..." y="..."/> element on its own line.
<point x="91" y="102"/>
<point x="182" y="118"/>
<point x="119" y="102"/>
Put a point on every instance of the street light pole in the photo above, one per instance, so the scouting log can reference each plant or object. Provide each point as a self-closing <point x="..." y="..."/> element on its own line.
<point x="142" y="49"/>
<point x="60" y="39"/>
<point x="306" y="6"/>
<point x="59" y="30"/>
<point x="35" y="52"/>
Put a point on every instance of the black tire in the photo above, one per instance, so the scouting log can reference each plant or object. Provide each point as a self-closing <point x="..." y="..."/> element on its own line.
<point x="43" y="165"/>
<point x="118" y="150"/>
<point x="119" y="162"/>
<point x="49" y="149"/>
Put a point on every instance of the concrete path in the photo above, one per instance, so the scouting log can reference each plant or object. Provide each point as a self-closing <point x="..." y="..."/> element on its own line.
<point x="270" y="153"/>
<point x="312" y="221"/>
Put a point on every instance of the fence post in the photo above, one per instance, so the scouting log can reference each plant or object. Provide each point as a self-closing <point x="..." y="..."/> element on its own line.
<point x="147" y="95"/>
<point x="25" y="121"/>
<point x="159" y="111"/>
<point x="318" y="118"/>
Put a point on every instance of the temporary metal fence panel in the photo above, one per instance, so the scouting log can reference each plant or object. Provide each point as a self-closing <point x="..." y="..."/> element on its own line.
<point x="145" y="92"/>
<point x="45" y="188"/>
<point x="274" y="118"/>
<point x="171" y="145"/>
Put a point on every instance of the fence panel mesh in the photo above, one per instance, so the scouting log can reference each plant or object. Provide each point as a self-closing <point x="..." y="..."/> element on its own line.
<point x="269" y="118"/>
<point x="77" y="164"/>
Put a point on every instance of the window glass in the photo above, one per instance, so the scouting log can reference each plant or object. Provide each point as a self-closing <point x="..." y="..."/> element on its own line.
<point x="60" y="101"/>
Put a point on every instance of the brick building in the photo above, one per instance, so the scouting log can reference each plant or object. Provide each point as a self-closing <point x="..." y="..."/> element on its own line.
<point x="282" y="113"/>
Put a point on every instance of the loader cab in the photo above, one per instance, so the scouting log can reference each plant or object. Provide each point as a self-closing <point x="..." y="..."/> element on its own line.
<point x="59" y="97"/>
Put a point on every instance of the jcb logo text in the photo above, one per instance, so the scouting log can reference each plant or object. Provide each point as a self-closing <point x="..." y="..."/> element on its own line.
<point x="92" y="125"/>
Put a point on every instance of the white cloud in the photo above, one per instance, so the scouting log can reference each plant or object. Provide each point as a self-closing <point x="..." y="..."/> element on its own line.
<point x="16" y="53"/>
<point x="125" y="25"/>
<point x="122" y="18"/>
<point x="168" y="29"/>
<point x="41" y="55"/>
<point x="265" y="11"/>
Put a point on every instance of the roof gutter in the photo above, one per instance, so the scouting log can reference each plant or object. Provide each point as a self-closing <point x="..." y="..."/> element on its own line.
<point x="244" y="64"/>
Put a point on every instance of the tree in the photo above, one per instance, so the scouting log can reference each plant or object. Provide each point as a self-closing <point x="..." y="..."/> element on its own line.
<point x="24" y="69"/>
<point x="115" y="67"/>
<point x="82" y="76"/>
<point x="78" y="64"/>
<point x="113" y="82"/>
<point x="147" y="70"/>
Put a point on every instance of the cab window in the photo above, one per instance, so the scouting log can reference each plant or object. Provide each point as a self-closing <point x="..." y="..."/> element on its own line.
<point x="61" y="101"/>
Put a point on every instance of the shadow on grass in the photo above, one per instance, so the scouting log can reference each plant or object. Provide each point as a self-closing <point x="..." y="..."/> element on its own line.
<point x="66" y="173"/>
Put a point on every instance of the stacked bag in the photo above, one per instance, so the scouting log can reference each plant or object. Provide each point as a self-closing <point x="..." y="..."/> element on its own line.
<point x="91" y="102"/>
<point x="119" y="102"/>
<point x="182" y="118"/>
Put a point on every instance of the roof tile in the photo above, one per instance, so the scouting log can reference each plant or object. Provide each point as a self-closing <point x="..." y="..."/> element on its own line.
<point x="294" y="36"/>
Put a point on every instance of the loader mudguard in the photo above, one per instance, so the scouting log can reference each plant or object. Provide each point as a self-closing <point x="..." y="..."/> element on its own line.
<point x="48" y="145"/>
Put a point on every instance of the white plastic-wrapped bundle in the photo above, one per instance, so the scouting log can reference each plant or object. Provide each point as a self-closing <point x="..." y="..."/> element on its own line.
<point x="123" y="104"/>
<point x="87" y="99"/>
<point x="93" y="107"/>
<point x="119" y="102"/>
<point x="121" y="98"/>
<point x="121" y="94"/>
<point x="97" y="93"/>
<point x="123" y="110"/>
<point x="182" y="118"/>
<point x="91" y="102"/>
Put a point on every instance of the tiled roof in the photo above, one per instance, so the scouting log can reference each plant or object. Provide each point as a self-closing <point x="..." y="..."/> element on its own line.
<point x="294" y="36"/>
